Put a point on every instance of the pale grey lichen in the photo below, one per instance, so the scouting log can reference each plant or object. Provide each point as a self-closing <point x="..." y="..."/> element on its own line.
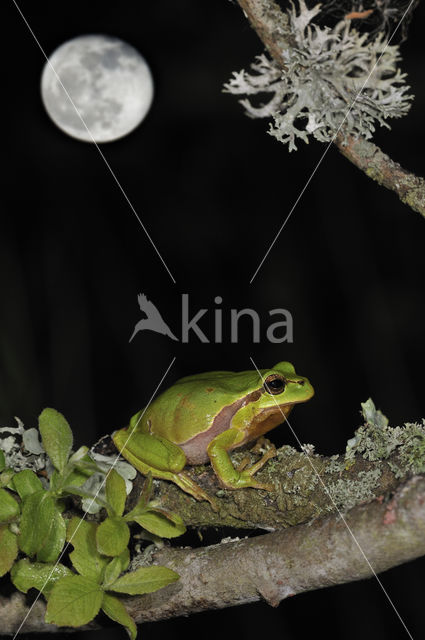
<point x="22" y="449"/>
<point x="376" y="440"/>
<point x="335" y="79"/>
<point x="308" y="449"/>
<point x="345" y="493"/>
<point x="336" y="464"/>
<point x="32" y="441"/>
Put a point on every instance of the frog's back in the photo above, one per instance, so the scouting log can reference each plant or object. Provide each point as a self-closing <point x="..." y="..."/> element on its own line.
<point x="191" y="404"/>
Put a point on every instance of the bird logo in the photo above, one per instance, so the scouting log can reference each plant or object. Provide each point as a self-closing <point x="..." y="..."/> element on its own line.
<point x="153" y="321"/>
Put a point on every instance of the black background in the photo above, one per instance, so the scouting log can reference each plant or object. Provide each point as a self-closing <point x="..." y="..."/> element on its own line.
<point x="212" y="189"/>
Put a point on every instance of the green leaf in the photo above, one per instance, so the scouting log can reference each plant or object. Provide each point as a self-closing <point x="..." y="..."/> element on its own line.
<point x="37" y="521"/>
<point x="9" y="507"/>
<point x="74" y="601"/>
<point x="112" y="572"/>
<point x="56" y="481"/>
<point x="112" y="536"/>
<point x="80" y="454"/>
<point x="160" y="524"/>
<point x="85" y="557"/>
<point x="89" y="466"/>
<point x="2" y="461"/>
<point x="51" y="549"/>
<point x="26" y="482"/>
<point x="56" y="435"/>
<point x="143" y="500"/>
<point x="79" y="468"/>
<point x="8" y="549"/>
<point x="77" y="491"/>
<point x="124" y="558"/>
<point x="115" y="493"/>
<point x="118" y="564"/>
<point x="114" y="608"/>
<point x="76" y="478"/>
<point x="27" y="575"/>
<point x="144" y="580"/>
<point x="6" y="478"/>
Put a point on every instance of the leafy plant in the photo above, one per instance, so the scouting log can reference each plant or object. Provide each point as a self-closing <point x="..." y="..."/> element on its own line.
<point x="113" y="533"/>
<point x="33" y="532"/>
<point x="10" y="511"/>
<point x="74" y="600"/>
<point x="41" y="525"/>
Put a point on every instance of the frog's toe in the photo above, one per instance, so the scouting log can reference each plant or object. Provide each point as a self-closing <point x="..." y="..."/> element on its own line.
<point x="270" y="453"/>
<point x="190" y="486"/>
<point x="266" y="486"/>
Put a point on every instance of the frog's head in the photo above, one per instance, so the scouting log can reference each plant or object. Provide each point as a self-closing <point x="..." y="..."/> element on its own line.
<point x="283" y="386"/>
<point x="277" y="391"/>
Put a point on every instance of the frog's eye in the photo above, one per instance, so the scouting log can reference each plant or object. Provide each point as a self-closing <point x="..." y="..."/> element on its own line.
<point x="274" y="384"/>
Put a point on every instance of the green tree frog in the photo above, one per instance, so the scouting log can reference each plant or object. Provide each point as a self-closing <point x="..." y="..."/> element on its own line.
<point x="203" y="417"/>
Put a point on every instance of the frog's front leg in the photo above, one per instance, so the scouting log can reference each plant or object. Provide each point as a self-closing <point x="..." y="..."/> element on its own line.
<point x="160" y="457"/>
<point x="230" y="477"/>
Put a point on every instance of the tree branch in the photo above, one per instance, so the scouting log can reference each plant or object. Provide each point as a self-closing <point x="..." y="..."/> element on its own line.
<point x="306" y="486"/>
<point x="377" y="165"/>
<point x="269" y="21"/>
<point x="274" y="566"/>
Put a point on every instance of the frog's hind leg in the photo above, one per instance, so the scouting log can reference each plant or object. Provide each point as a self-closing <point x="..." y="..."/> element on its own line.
<point x="163" y="459"/>
<point x="190" y="486"/>
<point x="181" y="479"/>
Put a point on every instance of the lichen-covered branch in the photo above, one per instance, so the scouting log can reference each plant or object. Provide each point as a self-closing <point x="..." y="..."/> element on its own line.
<point x="271" y="24"/>
<point x="380" y="167"/>
<point x="295" y="94"/>
<point x="371" y="538"/>
<point x="307" y="486"/>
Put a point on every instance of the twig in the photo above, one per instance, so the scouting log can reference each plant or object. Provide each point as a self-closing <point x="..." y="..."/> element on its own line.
<point x="268" y="21"/>
<point x="377" y="165"/>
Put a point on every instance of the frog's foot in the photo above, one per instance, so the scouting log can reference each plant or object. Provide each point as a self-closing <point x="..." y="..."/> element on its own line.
<point x="270" y="453"/>
<point x="262" y="445"/>
<point x="244" y="480"/>
<point x="243" y="463"/>
<point x="245" y="475"/>
<point x="190" y="486"/>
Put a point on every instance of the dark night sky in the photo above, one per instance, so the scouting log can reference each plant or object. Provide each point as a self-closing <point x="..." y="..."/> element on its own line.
<point x="212" y="189"/>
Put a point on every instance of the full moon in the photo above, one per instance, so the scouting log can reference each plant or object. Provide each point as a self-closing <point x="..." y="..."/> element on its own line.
<point x="106" y="80"/>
